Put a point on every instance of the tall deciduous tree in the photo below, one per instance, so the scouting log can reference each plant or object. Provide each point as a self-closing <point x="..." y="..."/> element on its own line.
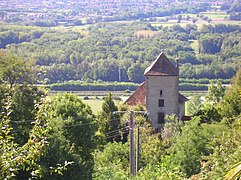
<point x="17" y="73"/>
<point x="72" y="137"/>
<point x="215" y="92"/>
<point x="210" y="43"/>
<point x="14" y="69"/>
<point x="193" y="105"/>
<point x="135" y="73"/>
<point x="16" y="159"/>
<point x="189" y="149"/>
<point x="232" y="100"/>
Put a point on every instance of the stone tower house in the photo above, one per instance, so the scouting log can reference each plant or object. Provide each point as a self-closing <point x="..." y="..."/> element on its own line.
<point x="159" y="93"/>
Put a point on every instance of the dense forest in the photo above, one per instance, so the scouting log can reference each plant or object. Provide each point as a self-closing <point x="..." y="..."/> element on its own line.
<point x="59" y="137"/>
<point x="122" y="51"/>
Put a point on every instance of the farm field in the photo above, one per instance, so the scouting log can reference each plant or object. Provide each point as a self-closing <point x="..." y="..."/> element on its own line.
<point x="216" y="15"/>
<point x="95" y="98"/>
<point x="96" y="104"/>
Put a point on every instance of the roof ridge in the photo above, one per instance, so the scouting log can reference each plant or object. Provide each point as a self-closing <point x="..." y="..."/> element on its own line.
<point x="153" y="63"/>
<point x="161" y="67"/>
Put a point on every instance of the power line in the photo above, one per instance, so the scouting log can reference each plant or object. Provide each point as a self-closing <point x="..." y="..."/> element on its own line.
<point x="124" y="132"/>
<point x="76" y="125"/>
<point x="124" y="128"/>
<point x="18" y="122"/>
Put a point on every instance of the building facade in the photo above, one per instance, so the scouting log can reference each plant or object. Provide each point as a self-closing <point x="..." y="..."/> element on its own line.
<point x="159" y="93"/>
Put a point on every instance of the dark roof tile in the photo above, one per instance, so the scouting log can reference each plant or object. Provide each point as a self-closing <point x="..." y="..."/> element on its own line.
<point x="161" y="67"/>
<point x="138" y="97"/>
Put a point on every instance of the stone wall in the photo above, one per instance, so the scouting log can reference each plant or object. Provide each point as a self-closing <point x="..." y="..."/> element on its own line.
<point x="169" y="87"/>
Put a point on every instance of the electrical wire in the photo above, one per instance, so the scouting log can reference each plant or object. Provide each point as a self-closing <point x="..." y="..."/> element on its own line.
<point x="76" y="125"/>
<point x="18" y="122"/>
<point x="124" y="128"/>
<point x="124" y="132"/>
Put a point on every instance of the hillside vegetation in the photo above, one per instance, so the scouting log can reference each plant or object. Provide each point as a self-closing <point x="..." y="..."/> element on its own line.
<point x="113" y="52"/>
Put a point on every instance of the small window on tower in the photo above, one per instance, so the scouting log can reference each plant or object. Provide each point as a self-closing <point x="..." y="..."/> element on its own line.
<point x="160" y="92"/>
<point x="160" y="102"/>
<point x="161" y="118"/>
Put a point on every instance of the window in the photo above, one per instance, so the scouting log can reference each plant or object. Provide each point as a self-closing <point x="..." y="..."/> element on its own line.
<point x="160" y="92"/>
<point x="160" y="102"/>
<point x="161" y="118"/>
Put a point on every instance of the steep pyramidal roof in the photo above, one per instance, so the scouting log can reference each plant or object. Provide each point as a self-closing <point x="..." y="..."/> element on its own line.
<point x="161" y="67"/>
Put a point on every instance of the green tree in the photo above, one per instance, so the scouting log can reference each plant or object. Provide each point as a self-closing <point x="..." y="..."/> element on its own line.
<point x="109" y="121"/>
<point x="14" y="158"/>
<point x="215" y="92"/>
<point x="232" y="100"/>
<point x="209" y="113"/>
<point x="24" y="100"/>
<point x="172" y="128"/>
<point x="24" y="96"/>
<point x="193" y="105"/>
<point x="14" y="69"/>
<point x="225" y="145"/>
<point x="112" y="162"/>
<point x="135" y="73"/>
<point x="72" y="137"/>
<point x="189" y="148"/>
<point x="210" y="43"/>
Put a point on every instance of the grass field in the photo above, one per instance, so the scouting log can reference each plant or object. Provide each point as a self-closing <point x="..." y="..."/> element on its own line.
<point x="216" y="15"/>
<point x="96" y="104"/>
<point x="96" y="98"/>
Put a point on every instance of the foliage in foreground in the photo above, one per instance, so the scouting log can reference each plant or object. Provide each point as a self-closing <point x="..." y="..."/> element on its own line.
<point x="72" y="137"/>
<point x="14" y="157"/>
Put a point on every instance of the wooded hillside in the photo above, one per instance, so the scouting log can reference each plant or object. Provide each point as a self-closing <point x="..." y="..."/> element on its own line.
<point x="121" y="51"/>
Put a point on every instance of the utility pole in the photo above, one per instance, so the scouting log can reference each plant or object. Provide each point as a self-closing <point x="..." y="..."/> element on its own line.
<point x="132" y="145"/>
<point x="132" y="150"/>
<point x="137" y="149"/>
<point x="119" y="74"/>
